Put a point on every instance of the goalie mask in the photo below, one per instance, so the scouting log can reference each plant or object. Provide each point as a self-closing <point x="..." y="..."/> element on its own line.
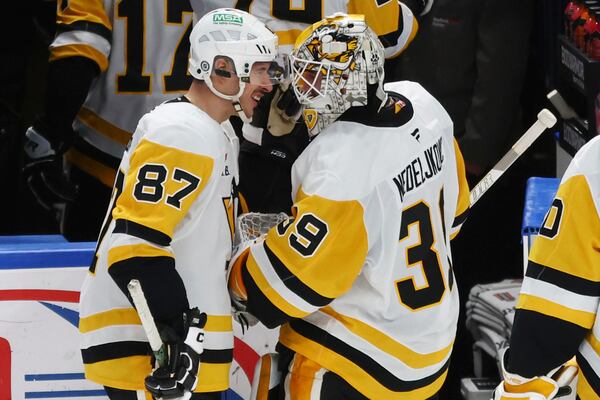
<point x="332" y="64"/>
<point x="241" y="39"/>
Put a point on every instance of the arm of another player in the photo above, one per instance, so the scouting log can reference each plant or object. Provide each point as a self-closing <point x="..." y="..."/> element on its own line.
<point x="304" y="262"/>
<point x="393" y="22"/>
<point x="78" y="54"/>
<point x="558" y="303"/>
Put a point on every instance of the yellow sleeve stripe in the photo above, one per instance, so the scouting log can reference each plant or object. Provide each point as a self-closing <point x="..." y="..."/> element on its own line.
<point x="121" y="253"/>
<point x="81" y="11"/>
<point x="104" y="174"/>
<point x="594" y="342"/>
<point x="218" y="323"/>
<point x="545" y="307"/>
<point x="352" y="373"/>
<point x="389" y="345"/>
<point x="80" y="50"/>
<point x="584" y="389"/>
<point x="463" y="202"/>
<point x="119" y="316"/>
<point x="104" y="127"/>
<point x="382" y="19"/>
<point x="269" y="292"/>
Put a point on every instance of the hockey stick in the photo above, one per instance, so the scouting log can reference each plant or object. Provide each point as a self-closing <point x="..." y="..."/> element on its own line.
<point x="139" y="300"/>
<point x="545" y="120"/>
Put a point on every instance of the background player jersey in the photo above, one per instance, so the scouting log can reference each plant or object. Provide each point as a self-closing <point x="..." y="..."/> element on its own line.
<point x="562" y="281"/>
<point x="392" y="21"/>
<point x="363" y="271"/>
<point x="141" y="48"/>
<point x="172" y="205"/>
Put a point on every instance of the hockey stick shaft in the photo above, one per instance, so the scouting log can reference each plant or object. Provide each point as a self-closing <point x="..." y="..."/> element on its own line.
<point x="545" y="120"/>
<point x="139" y="300"/>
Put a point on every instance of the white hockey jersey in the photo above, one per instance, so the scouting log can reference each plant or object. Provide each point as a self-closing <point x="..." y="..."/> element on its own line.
<point x="558" y="307"/>
<point x="141" y="48"/>
<point x="363" y="271"/>
<point x="391" y="20"/>
<point x="172" y="204"/>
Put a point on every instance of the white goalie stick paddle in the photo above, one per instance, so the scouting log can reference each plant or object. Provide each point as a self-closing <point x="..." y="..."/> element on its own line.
<point x="545" y="120"/>
<point x="141" y="305"/>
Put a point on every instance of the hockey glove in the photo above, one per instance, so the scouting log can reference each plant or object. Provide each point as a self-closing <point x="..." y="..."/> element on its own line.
<point x="44" y="171"/>
<point x="557" y="383"/>
<point x="237" y="288"/>
<point x="179" y="377"/>
<point x="275" y="115"/>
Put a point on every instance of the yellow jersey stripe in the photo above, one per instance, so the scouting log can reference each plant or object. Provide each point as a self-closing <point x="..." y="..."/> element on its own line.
<point x="546" y="307"/>
<point x="389" y="345"/>
<point x="464" y="201"/>
<point x="128" y="373"/>
<point x="262" y="392"/>
<point x="104" y="127"/>
<point x="218" y="323"/>
<point x="104" y="174"/>
<point x="80" y="50"/>
<point x="119" y="316"/>
<point x="353" y="374"/>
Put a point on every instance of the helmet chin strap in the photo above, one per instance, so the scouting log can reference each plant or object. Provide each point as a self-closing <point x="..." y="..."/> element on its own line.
<point x="235" y="98"/>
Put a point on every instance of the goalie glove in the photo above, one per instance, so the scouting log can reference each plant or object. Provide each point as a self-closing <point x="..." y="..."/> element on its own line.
<point x="43" y="170"/>
<point x="179" y="377"/>
<point x="556" y="384"/>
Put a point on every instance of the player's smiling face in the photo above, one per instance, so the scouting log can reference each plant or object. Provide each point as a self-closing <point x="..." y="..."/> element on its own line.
<point x="259" y="85"/>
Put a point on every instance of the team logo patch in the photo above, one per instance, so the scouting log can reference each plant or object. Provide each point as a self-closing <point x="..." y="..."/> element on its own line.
<point x="227" y="19"/>
<point x="399" y="105"/>
<point x="310" y="118"/>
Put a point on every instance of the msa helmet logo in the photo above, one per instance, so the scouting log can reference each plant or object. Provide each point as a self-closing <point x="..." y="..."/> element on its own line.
<point x="228" y="19"/>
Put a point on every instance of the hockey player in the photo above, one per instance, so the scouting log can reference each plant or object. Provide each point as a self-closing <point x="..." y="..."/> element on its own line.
<point x="274" y="139"/>
<point x="557" y="312"/>
<point x="169" y="222"/>
<point x="361" y="277"/>
<point x="110" y="63"/>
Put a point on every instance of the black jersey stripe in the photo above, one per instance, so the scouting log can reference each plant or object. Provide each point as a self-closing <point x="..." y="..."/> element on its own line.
<point x="86" y="26"/>
<point x="391" y="39"/>
<point x="459" y="219"/>
<point x="361" y="360"/>
<point x="386" y="117"/>
<point x="294" y="283"/>
<point x="141" y="231"/>
<point x="260" y="306"/>
<point x="217" y="356"/>
<point x="589" y="373"/>
<point x="563" y="280"/>
<point x="94" y="153"/>
<point x="143" y="262"/>
<point x="110" y="351"/>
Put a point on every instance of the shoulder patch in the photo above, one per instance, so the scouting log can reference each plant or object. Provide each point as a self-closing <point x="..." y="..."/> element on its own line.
<point x="397" y="111"/>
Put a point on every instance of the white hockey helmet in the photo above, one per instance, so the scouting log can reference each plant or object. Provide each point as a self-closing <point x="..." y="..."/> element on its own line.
<point x="332" y="63"/>
<point x="241" y="38"/>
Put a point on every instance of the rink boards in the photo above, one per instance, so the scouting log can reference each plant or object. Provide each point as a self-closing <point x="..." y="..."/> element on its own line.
<point x="40" y="278"/>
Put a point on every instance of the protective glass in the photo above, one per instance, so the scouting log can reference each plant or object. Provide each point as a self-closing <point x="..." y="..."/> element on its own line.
<point x="269" y="73"/>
